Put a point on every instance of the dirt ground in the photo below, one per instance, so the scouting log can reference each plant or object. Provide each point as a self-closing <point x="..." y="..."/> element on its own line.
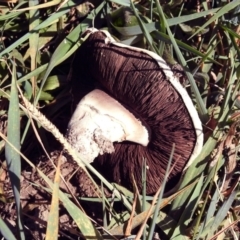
<point x="36" y="200"/>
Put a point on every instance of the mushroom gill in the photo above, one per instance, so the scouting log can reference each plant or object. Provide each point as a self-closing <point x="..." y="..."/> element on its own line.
<point x="142" y="82"/>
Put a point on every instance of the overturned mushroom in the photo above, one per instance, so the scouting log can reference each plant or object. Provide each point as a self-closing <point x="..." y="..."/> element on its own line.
<point x="132" y="107"/>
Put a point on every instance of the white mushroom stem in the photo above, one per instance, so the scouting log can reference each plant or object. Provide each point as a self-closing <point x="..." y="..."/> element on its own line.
<point x="99" y="121"/>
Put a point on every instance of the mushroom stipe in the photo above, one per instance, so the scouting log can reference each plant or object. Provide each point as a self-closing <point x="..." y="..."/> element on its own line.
<point x="144" y="84"/>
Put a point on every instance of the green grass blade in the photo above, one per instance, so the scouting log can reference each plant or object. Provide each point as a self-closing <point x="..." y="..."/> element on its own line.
<point x="225" y="9"/>
<point x="164" y="37"/>
<point x="41" y="119"/>
<point x="68" y="43"/>
<point x="64" y="47"/>
<point x="5" y="231"/>
<point x="212" y="206"/>
<point x="40" y="6"/>
<point x="136" y="30"/>
<point x="200" y="162"/>
<point x="195" y="170"/>
<point x="166" y="223"/>
<point x="33" y="41"/>
<point x="81" y="219"/>
<point x="104" y="207"/>
<point x="140" y="218"/>
<point x="182" y="19"/>
<point x="35" y="72"/>
<point x="13" y="159"/>
<point x="230" y="31"/>
<point x="63" y="51"/>
<point x="156" y="212"/>
<point x="11" y="15"/>
<point x="201" y="106"/>
<point x="144" y="29"/>
<point x="144" y="184"/>
<point x="230" y="85"/>
<point x="44" y="24"/>
<point x="210" y="176"/>
<point x="122" y="2"/>
<point x="154" y="26"/>
<point x="221" y="214"/>
<point x="188" y="211"/>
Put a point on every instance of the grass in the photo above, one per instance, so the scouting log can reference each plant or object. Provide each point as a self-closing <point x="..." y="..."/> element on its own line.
<point x="37" y="40"/>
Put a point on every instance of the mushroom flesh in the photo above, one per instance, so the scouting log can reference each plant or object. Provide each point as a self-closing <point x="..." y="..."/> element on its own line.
<point x="131" y="108"/>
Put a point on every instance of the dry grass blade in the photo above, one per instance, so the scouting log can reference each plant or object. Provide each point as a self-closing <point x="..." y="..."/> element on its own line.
<point x="230" y="154"/>
<point x="149" y="213"/>
<point x="72" y="152"/>
<point x="51" y="128"/>
<point x="129" y="225"/>
<point x="225" y="9"/>
<point x="52" y="227"/>
<point x="82" y="221"/>
<point x="140" y="218"/>
<point x="224" y="229"/>
<point x="41" y="37"/>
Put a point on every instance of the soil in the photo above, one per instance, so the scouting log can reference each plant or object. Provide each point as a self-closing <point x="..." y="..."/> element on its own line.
<point x="35" y="200"/>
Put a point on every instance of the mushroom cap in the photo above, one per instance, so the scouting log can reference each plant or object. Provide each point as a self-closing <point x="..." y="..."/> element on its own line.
<point x="142" y="82"/>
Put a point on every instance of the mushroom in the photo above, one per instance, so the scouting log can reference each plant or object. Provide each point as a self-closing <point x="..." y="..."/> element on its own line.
<point x="132" y="108"/>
